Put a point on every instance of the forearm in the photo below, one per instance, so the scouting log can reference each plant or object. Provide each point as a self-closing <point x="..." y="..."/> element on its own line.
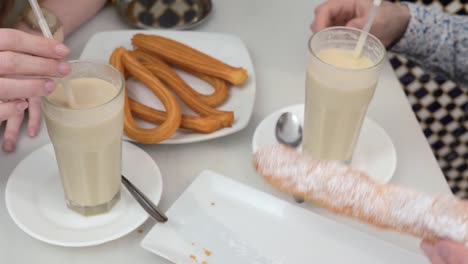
<point x="73" y="13"/>
<point x="437" y="41"/>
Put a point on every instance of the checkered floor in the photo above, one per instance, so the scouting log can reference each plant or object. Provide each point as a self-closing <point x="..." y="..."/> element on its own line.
<point x="441" y="107"/>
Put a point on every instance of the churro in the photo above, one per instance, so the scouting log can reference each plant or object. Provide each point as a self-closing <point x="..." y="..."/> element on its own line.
<point x="194" y="123"/>
<point x="182" y="55"/>
<point x="221" y="88"/>
<point x="123" y="60"/>
<point x="163" y="71"/>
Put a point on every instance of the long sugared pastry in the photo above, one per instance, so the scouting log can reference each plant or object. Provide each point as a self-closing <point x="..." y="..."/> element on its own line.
<point x="194" y="123"/>
<point x="123" y="60"/>
<point x="351" y="192"/>
<point x="182" y="55"/>
<point x="164" y="72"/>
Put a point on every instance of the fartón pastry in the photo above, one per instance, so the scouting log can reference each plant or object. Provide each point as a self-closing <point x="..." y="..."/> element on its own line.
<point x="164" y="72"/>
<point x="123" y="60"/>
<point x="179" y="54"/>
<point x="352" y="193"/>
<point x="194" y="123"/>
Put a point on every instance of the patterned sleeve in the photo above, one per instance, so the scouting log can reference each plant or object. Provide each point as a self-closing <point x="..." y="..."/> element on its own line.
<point x="437" y="41"/>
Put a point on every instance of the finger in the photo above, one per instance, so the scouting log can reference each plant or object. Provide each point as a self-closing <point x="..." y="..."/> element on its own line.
<point x="34" y="120"/>
<point x="11" y="108"/>
<point x="12" y="63"/>
<point x="21" y="42"/>
<point x="325" y="14"/>
<point x="23" y="88"/>
<point x="10" y="137"/>
<point x="436" y="259"/>
<point x="356" y="23"/>
<point x="451" y="252"/>
<point x="430" y="252"/>
<point x="427" y="248"/>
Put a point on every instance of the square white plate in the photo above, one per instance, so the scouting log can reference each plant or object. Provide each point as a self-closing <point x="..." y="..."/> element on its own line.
<point x="227" y="48"/>
<point x="238" y="224"/>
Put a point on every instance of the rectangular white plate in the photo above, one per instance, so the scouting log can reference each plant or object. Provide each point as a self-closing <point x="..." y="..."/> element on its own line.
<point x="227" y="48"/>
<point x="239" y="224"/>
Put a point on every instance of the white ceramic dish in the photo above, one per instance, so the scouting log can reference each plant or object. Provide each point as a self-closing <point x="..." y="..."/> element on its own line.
<point x="218" y="220"/>
<point x="374" y="153"/>
<point x="227" y="48"/>
<point x="35" y="200"/>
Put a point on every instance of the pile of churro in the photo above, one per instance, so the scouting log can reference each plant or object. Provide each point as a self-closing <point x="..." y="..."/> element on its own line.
<point x="154" y="61"/>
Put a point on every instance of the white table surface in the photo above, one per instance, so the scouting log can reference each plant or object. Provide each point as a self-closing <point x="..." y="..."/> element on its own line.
<point x="276" y="36"/>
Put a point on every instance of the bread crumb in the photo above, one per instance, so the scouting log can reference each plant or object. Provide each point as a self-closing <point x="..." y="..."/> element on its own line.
<point x="193" y="243"/>
<point x="204" y="262"/>
<point x="193" y="257"/>
<point x="140" y="231"/>
<point x="207" y="252"/>
<point x="213" y="204"/>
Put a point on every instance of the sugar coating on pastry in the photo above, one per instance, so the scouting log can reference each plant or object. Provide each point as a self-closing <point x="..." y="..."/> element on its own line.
<point x="351" y="192"/>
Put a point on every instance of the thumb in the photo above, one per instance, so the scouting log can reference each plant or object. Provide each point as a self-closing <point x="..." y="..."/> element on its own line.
<point x="356" y="23"/>
<point x="451" y="252"/>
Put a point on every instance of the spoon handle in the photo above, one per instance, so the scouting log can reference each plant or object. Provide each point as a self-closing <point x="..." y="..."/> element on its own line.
<point x="298" y="199"/>
<point x="146" y="203"/>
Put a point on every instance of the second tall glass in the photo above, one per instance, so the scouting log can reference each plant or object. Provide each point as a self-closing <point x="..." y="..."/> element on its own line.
<point x="339" y="88"/>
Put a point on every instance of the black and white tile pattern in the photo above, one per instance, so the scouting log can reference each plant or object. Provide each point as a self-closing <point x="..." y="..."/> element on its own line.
<point x="441" y="107"/>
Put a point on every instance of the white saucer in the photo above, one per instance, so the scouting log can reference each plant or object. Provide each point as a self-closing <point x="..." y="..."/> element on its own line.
<point x="35" y="200"/>
<point x="374" y="153"/>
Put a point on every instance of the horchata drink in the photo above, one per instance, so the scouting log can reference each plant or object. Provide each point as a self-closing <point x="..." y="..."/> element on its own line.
<point x="339" y="87"/>
<point x="84" y="118"/>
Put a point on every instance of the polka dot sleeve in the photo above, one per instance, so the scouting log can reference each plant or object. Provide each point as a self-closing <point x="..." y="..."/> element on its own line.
<point x="437" y="41"/>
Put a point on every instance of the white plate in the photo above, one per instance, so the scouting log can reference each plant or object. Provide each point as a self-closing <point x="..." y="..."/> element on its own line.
<point x="35" y="200"/>
<point x="227" y="48"/>
<point x="238" y="224"/>
<point x="374" y="153"/>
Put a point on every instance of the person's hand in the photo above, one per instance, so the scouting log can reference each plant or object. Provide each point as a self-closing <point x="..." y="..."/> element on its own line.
<point x="389" y="25"/>
<point x="24" y="61"/>
<point x="445" y="252"/>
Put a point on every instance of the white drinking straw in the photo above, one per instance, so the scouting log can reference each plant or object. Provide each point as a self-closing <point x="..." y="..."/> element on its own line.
<point x="367" y="27"/>
<point x="41" y="19"/>
<point x="48" y="34"/>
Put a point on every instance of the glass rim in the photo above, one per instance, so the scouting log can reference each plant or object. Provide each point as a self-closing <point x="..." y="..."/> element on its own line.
<point x="379" y="62"/>
<point x="97" y="62"/>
